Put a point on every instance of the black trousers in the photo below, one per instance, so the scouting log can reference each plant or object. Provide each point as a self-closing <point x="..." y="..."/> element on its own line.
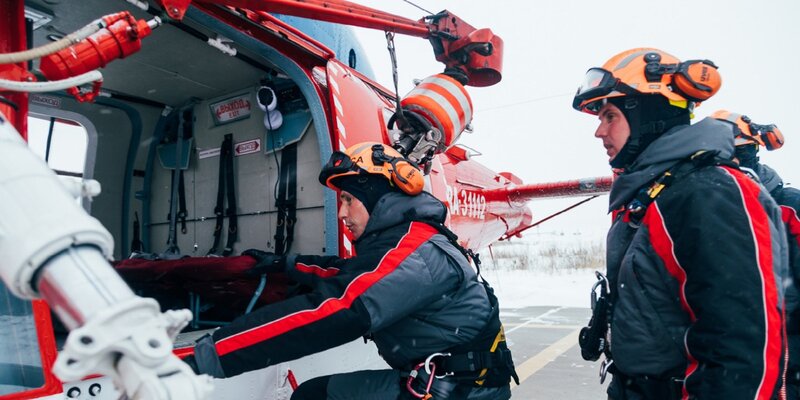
<point x="388" y="385"/>
<point x="626" y="388"/>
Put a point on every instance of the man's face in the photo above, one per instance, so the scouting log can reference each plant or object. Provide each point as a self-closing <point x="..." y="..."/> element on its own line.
<point x="353" y="214"/>
<point x="613" y="130"/>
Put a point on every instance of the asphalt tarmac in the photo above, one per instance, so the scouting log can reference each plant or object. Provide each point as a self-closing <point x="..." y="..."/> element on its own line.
<point x="544" y="342"/>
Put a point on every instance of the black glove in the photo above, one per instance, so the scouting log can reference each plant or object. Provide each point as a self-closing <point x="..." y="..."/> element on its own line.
<point x="205" y="359"/>
<point x="265" y="262"/>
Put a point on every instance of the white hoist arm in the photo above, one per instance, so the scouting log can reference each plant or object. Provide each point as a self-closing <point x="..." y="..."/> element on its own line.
<point x="51" y="249"/>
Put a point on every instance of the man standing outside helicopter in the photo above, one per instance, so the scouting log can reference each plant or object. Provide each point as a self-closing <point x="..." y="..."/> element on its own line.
<point x="750" y="137"/>
<point x="695" y="248"/>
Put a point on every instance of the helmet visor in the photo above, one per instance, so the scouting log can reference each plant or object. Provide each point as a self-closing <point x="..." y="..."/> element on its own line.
<point x="338" y="165"/>
<point x="597" y="84"/>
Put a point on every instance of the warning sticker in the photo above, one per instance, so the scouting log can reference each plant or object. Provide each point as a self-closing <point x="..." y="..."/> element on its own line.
<point x="239" y="149"/>
<point x="247" y="147"/>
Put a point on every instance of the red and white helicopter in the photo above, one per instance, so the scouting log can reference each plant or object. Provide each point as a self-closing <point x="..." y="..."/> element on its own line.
<point x="252" y="95"/>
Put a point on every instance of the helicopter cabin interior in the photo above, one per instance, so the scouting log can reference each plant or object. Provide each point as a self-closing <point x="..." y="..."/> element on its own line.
<point x="156" y="142"/>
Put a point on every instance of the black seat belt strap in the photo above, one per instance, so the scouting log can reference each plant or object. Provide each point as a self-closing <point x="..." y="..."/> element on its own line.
<point x="177" y="178"/>
<point x="226" y="151"/>
<point x="136" y="244"/>
<point x="182" y="202"/>
<point x="286" y="203"/>
<point x="230" y="189"/>
<point x="291" y="197"/>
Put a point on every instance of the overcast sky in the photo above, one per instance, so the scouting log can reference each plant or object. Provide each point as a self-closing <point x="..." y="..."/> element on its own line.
<point x="526" y="125"/>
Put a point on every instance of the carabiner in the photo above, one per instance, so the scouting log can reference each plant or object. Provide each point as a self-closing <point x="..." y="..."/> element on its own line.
<point x="604" y="367"/>
<point x="413" y="375"/>
<point x="430" y="366"/>
<point x="602" y="282"/>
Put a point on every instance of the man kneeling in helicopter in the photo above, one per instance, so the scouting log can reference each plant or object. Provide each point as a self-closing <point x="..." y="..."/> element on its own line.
<point x="410" y="288"/>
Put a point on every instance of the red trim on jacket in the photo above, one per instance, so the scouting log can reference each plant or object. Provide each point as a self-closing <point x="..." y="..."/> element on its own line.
<point x="664" y="246"/>
<point x="316" y="270"/>
<point x="789" y="216"/>
<point x="759" y="223"/>
<point x="418" y="233"/>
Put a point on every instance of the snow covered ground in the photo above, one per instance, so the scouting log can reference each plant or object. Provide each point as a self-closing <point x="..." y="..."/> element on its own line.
<point x="517" y="289"/>
<point x="546" y="268"/>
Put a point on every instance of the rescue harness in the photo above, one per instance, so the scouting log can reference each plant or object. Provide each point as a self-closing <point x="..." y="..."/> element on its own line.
<point x="485" y="361"/>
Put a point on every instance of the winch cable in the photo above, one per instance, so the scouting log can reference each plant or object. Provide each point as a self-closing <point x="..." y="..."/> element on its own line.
<point x="401" y="119"/>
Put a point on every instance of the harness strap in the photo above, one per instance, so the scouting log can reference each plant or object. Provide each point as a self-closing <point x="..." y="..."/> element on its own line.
<point x="177" y="188"/>
<point x="486" y="360"/>
<point x="182" y="202"/>
<point x="471" y="256"/>
<point x="137" y="245"/>
<point x="230" y="190"/>
<point x="473" y="362"/>
<point x="286" y="201"/>
<point x="225" y="173"/>
<point x="635" y="210"/>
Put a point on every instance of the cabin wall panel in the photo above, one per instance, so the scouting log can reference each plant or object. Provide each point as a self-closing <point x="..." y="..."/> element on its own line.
<point x="256" y="176"/>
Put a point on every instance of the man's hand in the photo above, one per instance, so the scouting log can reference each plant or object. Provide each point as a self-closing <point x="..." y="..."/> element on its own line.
<point x="265" y="262"/>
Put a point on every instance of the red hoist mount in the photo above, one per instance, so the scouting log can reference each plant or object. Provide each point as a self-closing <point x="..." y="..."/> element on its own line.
<point x="123" y="336"/>
<point x="476" y="54"/>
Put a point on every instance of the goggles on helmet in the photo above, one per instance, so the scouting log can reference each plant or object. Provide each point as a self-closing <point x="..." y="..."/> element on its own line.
<point x="598" y="84"/>
<point x="338" y="165"/>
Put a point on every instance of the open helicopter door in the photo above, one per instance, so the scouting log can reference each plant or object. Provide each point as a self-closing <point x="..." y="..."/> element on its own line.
<point x="358" y="115"/>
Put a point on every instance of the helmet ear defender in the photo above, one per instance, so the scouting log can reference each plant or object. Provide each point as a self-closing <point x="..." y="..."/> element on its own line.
<point x="697" y="79"/>
<point x="405" y="175"/>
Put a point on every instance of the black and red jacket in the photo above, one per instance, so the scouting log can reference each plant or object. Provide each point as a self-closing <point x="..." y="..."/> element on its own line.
<point x="696" y="284"/>
<point x="408" y="288"/>
<point x="788" y="199"/>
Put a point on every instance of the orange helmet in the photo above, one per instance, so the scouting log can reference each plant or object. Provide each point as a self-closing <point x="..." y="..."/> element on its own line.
<point x="373" y="158"/>
<point x="748" y="132"/>
<point x="648" y="71"/>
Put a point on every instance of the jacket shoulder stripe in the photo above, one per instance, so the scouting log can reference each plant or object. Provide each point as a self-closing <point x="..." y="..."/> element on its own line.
<point x="759" y="226"/>
<point x="417" y="234"/>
